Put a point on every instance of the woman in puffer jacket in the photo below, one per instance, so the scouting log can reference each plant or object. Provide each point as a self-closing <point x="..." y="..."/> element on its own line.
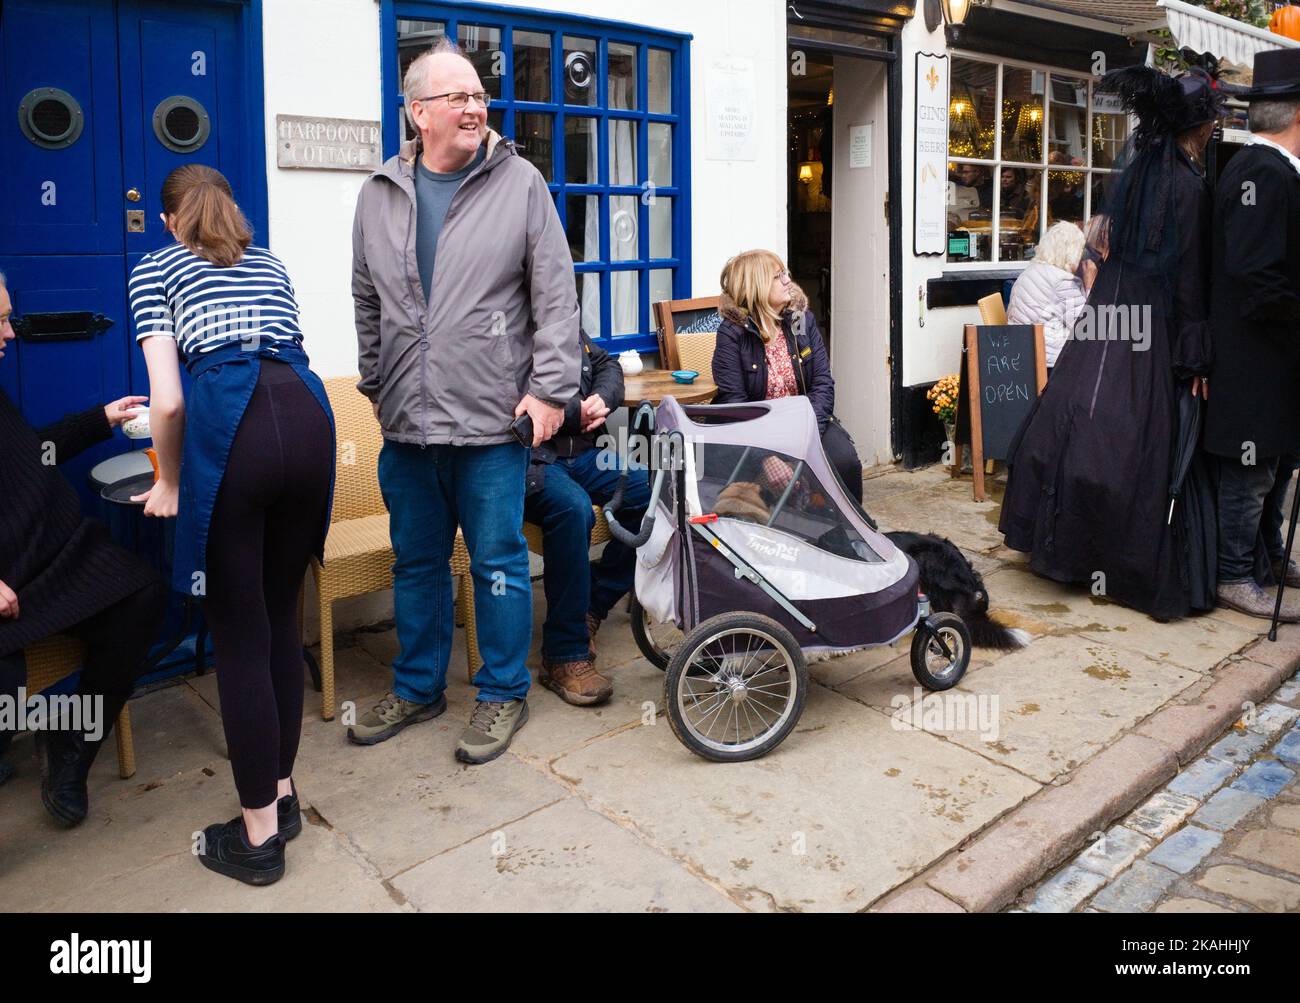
<point x="1049" y="291"/>
<point x="769" y="347"/>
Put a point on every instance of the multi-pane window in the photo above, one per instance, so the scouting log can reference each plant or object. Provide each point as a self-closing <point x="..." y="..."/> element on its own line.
<point x="1027" y="148"/>
<point x="601" y="111"/>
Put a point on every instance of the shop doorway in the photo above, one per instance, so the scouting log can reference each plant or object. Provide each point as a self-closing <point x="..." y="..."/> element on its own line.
<point x="839" y="247"/>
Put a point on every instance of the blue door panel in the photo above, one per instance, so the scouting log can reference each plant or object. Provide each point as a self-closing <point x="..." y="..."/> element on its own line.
<point x="169" y="52"/>
<point x="60" y="200"/>
<point x="49" y="380"/>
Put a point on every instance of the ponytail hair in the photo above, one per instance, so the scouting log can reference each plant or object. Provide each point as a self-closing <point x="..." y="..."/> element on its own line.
<point x="204" y="214"/>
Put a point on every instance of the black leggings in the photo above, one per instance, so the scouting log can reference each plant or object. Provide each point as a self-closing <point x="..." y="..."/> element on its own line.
<point x="117" y="641"/>
<point x="269" y="515"/>
<point x="839" y="449"/>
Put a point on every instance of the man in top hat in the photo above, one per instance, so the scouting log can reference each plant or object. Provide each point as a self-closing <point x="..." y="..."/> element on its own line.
<point x="1253" y="419"/>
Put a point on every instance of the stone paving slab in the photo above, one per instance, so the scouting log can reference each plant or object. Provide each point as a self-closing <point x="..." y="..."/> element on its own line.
<point x="130" y="829"/>
<point x="1262" y="891"/>
<point x="564" y="858"/>
<point x="768" y="832"/>
<point x="1061" y="702"/>
<point x="407" y="800"/>
<point x="1198" y="643"/>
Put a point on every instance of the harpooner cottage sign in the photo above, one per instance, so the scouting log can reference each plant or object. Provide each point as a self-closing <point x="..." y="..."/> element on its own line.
<point x="327" y="144"/>
<point x="931" y="128"/>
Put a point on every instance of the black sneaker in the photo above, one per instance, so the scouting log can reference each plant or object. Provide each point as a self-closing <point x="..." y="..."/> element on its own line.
<point x="289" y="814"/>
<point x="226" y="851"/>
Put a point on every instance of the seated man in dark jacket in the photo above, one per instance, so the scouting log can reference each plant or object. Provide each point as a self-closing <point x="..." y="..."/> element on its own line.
<point x="569" y="475"/>
<point x="59" y="574"/>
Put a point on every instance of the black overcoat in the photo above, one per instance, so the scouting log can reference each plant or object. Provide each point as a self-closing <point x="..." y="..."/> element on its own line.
<point x="1088" y="491"/>
<point x="62" y="566"/>
<point x="1256" y="308"/>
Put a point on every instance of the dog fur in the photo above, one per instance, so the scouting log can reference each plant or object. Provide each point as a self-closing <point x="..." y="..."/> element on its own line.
<point x="954" y="586"/>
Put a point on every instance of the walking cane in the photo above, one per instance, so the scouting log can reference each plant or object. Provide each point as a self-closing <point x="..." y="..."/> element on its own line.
<point x="1286" y="564"/>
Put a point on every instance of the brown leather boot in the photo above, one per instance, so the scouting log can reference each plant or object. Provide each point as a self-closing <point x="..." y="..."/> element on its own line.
<point x="577" y="683"/>
<point x="593" y="628"/>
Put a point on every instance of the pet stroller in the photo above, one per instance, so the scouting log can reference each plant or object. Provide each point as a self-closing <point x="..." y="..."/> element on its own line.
<point x="751" y="556"/>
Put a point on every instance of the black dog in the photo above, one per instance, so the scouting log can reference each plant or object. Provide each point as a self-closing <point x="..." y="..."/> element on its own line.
<point x="954" y="586"/>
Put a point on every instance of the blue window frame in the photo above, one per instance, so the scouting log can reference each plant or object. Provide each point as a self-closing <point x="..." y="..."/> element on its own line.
<point x="617" y="97"/>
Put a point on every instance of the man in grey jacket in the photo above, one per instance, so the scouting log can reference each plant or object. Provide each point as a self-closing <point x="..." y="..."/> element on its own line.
<point x="467" y="318"/>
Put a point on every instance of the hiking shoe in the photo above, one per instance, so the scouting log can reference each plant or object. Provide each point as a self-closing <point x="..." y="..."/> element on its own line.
<point x="289" y="814"/>
<point x="1247" y="597"/>
<point x="577" y="683"/>
<point x="490" y="731"/>
<point x="1292" y="574"/>
<point x="388" y="717"/>
<point x="593" y="628"/>
<point x="226" y="851"/>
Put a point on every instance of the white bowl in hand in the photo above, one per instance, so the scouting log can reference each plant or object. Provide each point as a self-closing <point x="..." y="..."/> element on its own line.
<point x="138" y="427"/>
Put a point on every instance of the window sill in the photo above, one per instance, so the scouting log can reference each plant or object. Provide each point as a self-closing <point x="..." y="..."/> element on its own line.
<point x="958" y="287"/>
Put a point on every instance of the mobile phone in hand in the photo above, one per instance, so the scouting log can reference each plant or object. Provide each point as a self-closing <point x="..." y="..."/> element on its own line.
<point x="522" y="430"/>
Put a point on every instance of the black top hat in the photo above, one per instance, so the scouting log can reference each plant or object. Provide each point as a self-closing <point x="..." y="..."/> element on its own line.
<point x="1277" y="75"/>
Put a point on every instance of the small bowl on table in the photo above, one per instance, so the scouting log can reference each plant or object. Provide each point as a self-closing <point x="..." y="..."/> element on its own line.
<point x="686" y="376"/>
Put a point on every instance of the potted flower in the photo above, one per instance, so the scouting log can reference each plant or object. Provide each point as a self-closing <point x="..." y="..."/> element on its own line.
<point x="943" y="398"/>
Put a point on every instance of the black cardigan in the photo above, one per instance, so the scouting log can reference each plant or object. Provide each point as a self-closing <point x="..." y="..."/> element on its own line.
<point x="62" y="566"/>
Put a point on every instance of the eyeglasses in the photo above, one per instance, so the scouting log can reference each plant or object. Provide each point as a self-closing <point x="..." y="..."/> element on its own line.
<point x="459" y="99"/>
<point x="783" y="277"/>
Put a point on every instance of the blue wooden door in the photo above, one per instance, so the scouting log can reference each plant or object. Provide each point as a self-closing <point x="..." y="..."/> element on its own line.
<point x="99" y="100"/>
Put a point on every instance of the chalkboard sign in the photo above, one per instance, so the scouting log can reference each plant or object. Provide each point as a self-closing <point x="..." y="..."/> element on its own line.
<point x="1004" y="374"/>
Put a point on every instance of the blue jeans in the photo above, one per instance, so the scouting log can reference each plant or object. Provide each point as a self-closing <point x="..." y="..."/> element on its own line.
<point x="429" y="492"/>
<point x="573" y="587"/>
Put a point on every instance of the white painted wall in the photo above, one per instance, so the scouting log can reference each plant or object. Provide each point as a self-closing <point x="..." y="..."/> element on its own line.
<point x="321" y="58"/>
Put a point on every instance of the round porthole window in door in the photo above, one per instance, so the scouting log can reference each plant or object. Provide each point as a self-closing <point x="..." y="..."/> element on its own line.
<point x="181" y="124"/>
<point x="51" y="118"/>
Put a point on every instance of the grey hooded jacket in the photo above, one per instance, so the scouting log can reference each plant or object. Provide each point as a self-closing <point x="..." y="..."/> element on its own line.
<point x="501" y="320"/>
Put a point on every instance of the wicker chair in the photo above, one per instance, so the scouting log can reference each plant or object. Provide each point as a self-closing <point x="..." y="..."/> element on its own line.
<point x="56" y="658"/>
<point x="685" y="351"/>
<point x="358" y="551"/>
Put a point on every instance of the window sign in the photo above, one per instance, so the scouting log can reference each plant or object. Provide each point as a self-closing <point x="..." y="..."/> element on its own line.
<point x="931" y="182"/>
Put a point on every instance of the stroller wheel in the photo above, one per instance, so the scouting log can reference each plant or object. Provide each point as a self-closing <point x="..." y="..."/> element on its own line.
<point x="657" y="641"/>
<point x="736" y="687"/>
<point x="934" y="669"/>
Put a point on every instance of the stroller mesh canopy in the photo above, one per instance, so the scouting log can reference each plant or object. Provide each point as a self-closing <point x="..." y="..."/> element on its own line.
<point x="781" y="508"/>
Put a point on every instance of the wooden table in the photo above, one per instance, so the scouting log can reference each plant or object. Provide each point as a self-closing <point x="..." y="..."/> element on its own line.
<point x="657" y="385"/>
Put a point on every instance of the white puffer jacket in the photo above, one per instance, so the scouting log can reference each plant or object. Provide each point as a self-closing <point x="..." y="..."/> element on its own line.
<point x="1051" y="296"/>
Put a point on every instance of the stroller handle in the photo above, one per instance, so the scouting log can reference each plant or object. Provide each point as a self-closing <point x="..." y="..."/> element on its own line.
<point x="643" y="428"/>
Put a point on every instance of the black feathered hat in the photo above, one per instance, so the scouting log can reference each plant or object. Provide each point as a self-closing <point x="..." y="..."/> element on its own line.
<point x="1165" y="105"/>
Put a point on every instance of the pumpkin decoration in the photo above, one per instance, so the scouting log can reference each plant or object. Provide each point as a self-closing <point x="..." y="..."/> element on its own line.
<point x="1286" y="22"/>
